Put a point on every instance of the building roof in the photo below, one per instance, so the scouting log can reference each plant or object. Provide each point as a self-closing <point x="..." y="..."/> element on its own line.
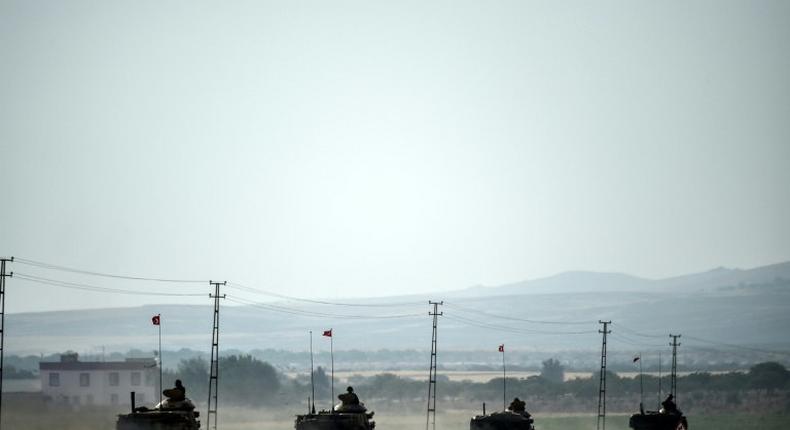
<point x="134" y="364"/>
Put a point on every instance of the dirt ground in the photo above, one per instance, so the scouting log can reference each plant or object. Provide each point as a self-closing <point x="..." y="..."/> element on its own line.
<point x="21" y="416"/>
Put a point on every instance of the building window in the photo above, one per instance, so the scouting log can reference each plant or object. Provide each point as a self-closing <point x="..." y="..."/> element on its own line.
<point x="54" y="379"/>
<point x="135" y="378"/>
<point x="115" y="380"/>
<point x="149" y="378"/>
<point x="85" y="379"/>
<point x="114" y="398"/>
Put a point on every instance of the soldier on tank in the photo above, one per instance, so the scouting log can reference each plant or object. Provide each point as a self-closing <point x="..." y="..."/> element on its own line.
<point x="349" y="398"/>
<point x="518" y="406"/>
<point x="176" y="394"/>
<point x="668" y="406"/>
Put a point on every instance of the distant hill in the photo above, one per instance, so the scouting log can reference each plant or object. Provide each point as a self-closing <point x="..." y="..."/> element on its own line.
<point x="723" y="277"/>
<point x="586" y="282"/>
<point x="567" y="282"/>
<point x="732" y="306"/>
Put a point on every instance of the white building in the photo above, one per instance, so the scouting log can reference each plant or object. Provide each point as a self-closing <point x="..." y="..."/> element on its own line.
<point x="75" y="382"/>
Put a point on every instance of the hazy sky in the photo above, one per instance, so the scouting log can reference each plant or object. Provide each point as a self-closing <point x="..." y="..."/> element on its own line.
<point x="336" y="149"/>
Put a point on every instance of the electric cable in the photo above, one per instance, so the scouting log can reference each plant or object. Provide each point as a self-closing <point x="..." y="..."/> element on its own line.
<point x="93" y="288"/>
<point x="479" y="312"/>
<point x="621" y="338"/>
<point x="483" y="324"/>
<point x="106" y="275"/>
<point x="731" y="345"/>
<point x="293" y="311"/>
<point x="624" y="333"/>
<point x="636" y="333"/>
<point x="319" y="302"/>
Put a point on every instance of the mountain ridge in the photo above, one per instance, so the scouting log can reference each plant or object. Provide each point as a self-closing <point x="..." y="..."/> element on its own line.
<point x="568" y="281"/>
<point x="709" y="306"/>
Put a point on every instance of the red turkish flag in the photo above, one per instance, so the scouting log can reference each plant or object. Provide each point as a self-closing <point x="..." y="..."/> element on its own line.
<point x="155" y="320"/>
<point x="502" y="348"/>
<point x="328" y="333"/>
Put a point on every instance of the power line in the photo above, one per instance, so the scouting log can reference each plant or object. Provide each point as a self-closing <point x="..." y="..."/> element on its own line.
<point x="301" y="312"/>
<point x="486" y="326"/>
<point x="505" y="317"/>
<point x="239" y="286"/>
<point x="622" y="338"/>
<point x="747" y="348"/>
<point x="483" y="324"/>
<point x="626" y="339"/>
<point x="93" y="288"/>
<point x="319" y="302"/>
<point x="267" y="306"/>
<point x="106" y="275"/>
<point x="636" y="333"/>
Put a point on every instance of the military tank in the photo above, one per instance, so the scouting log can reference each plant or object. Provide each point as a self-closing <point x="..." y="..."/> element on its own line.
<point x="669" y="417"/>
<point x="167" y="415"/>
<point x="655" y="420"/>
<point x="515" y="417"/>
<point x="350" y="414"/>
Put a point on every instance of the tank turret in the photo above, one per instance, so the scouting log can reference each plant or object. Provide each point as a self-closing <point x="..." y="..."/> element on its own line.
<point x="350" y="414"/>
<point x="169" y="414"/>
<point x="515" y="417"/>
<point x="669" y="417"/>
<point x="655" y="420"/>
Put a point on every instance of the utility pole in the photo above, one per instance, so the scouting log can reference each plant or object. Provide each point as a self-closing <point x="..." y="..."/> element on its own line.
<point x="602" y="381"/>
<point x="213" y="379"/>
<point x="430" y="419"/>
<point x="312" y="377"/>
<point x="504" y="378"/>
<point x="3" y="275"/>
<point x="673" y="389"/>
<point x="659" y="380"/>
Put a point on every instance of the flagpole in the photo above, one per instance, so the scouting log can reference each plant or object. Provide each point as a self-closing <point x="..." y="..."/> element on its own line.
<point x="312" y="375"/>
<point x="332" y="356"/>
<point x="504" y="381"/>
<point x="160" y="356"/>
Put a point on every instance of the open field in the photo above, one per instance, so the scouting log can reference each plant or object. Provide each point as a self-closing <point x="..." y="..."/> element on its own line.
<point x="482" y="376"/>
<point x="27" y="417"/>
<point x="459" y="420"/>
<point x="453" y="375"/>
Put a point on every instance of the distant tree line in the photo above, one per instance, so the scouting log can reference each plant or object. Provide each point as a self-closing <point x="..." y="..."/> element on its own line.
<point x="247" y="381"/>
<point x="295" y="361"/>
<point x="11" y="372"/>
